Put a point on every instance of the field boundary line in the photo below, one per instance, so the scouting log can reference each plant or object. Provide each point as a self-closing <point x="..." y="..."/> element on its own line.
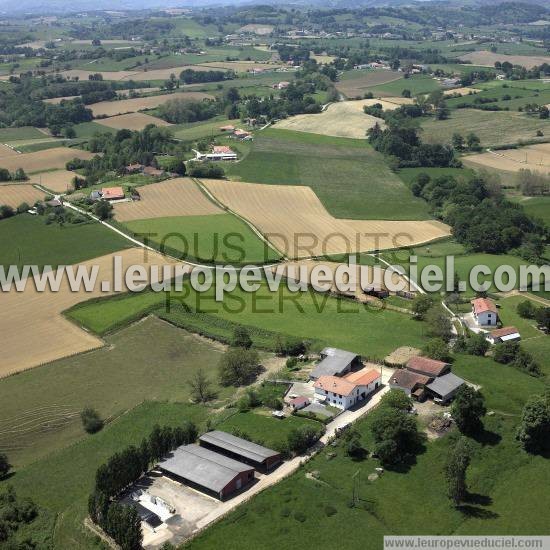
<point x="216" y="201"/>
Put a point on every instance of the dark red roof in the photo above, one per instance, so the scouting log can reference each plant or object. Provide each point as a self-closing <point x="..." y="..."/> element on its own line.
<point x="484" y="304"/>
<point x="407" y="379"/>
<point x="425" y="365"/>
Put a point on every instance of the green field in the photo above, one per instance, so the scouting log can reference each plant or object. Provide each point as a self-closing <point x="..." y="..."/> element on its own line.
<point x="27" y="240"/>
<point x="217" y="238"/>
<point x="271" y="432"/>
<point x="349" y="177"/>
<point x="417" y="84"/>
<point x="538" y="207"/>
<point x="492" y="127"/>
<point x="24" y="132"/>
<point x="112" y="380"/>
<point x="369" y="331"/>
<point x="89" y="129"/>
<point x="199" y="130"/>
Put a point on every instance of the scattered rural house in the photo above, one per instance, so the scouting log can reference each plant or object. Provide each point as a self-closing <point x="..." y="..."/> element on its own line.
<point x="344" y="392"/>
<point x="451" y="82"/>
<point x="428" y="367"/>
<point x="504" y="334"/>
<point x="242" y="135"/>
<point x="411" y="383"/>
<point x="335" y="362"/>
<point x="298" y="403"/>
<point x="207" y="471"/>
<point x="112" y="193"/>
<point x="485" y="312"/>
<point x="134" y="168"/>
<point x="259" y="457"/>
<point x="443" y="388"/>
<point x="219" y="152"/>
<point x="54" y="203"/>
<point x="151" y="171"/>
<point x="281" y="85"/>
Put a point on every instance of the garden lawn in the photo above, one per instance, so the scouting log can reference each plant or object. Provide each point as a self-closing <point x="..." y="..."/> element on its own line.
<point x="199" y="130"/>
<point x="215" y="238"/>
<point x="27" y="240"/>
<point x="509" y="316"/>
<point x="538" y="207"/>
<point x="266" y="430"/>
<point x="349" y="177"/>
<point x="368" y="331"/>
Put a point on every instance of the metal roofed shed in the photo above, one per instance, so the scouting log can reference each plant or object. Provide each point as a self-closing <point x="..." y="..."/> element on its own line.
<point x="147" y="516"/>
<point x="207" y="471"/>
<point x="259" y="457"/>
<point x="335" y="362"/>
<point x="445" y="387"/>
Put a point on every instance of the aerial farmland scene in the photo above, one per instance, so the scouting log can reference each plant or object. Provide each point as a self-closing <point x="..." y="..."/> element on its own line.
<point x="274" y="274"/>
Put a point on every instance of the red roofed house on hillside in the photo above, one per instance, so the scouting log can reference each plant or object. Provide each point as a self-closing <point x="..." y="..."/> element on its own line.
<point x="344" y="392"/>
<point x="112" y="193"/>
<point x="485" y="312"/>
<point x="427" y="367"/>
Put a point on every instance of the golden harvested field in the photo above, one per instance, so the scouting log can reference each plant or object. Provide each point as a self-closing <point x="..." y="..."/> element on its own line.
<point x="58" y="181"/>
<point x="485" y="58"/>
<point x="342" y="119"/>
<point x="14" y="195"/>
<point x="132" y="121"/>
<point x="256" y="28"/>
<point x="353" y="87"/>
<point x="175" y="197"/>
<point x="107" y="75"/>
<point x="322" y="59"/>
<point x="533" y="157"/>
<point x="296" y="222"/>
<point x="112" y="108"/>
<point x="7" y="151"/>
<point x="462" y="91"/>
<point x="48" y="159"/>
<point x="32" y="326"/>
<point x="58" y="100"/>
<point x="388" y="103"/>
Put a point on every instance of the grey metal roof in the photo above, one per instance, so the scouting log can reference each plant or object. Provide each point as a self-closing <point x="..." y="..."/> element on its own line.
<point x="203" y="467"/>
<point x="238" y="445"/>
<point x="445" y="385"/>
<point x="335" y="362"/>
<point x="147" y="515"/>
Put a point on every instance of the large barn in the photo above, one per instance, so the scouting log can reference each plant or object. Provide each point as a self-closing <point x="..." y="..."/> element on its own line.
<point x="207" y="471"/>
<point x="261" y="458"/>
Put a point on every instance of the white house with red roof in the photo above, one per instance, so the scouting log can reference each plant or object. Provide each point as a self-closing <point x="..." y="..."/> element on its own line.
<point x="485" y="312"/>
<point x="346" y="391"/>
<point x="219" y="152"/>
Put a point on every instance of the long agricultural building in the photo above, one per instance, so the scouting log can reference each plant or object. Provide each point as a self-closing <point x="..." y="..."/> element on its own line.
<point x="259" y="457"/>
<point x="207" y="471"/>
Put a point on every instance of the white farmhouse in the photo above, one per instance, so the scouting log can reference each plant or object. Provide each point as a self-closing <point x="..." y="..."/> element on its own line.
<point x="344" y="392"/>
<point x="485" y="312"/>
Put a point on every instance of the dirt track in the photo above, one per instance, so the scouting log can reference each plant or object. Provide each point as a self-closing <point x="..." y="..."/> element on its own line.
<point x="175" y="197"/>
<point x="296" y="222"/>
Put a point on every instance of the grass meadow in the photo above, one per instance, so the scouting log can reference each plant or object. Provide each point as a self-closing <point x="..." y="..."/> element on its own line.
<point x="349" y="177"/>
<point x="221" y="237"/>
<point x="28" y="240"/>
<point x="312" y="316"/>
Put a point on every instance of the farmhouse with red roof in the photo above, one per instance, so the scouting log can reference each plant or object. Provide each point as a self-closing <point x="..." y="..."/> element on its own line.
<point x="485" y="312"/>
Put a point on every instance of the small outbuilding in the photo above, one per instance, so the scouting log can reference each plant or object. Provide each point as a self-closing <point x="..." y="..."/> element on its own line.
<point x="504" y="334"/>
<point x="411" y="383"/>
<point x="257" y="456"/>
<point x="444" y="388"/>
<point x="298" y="403"/>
